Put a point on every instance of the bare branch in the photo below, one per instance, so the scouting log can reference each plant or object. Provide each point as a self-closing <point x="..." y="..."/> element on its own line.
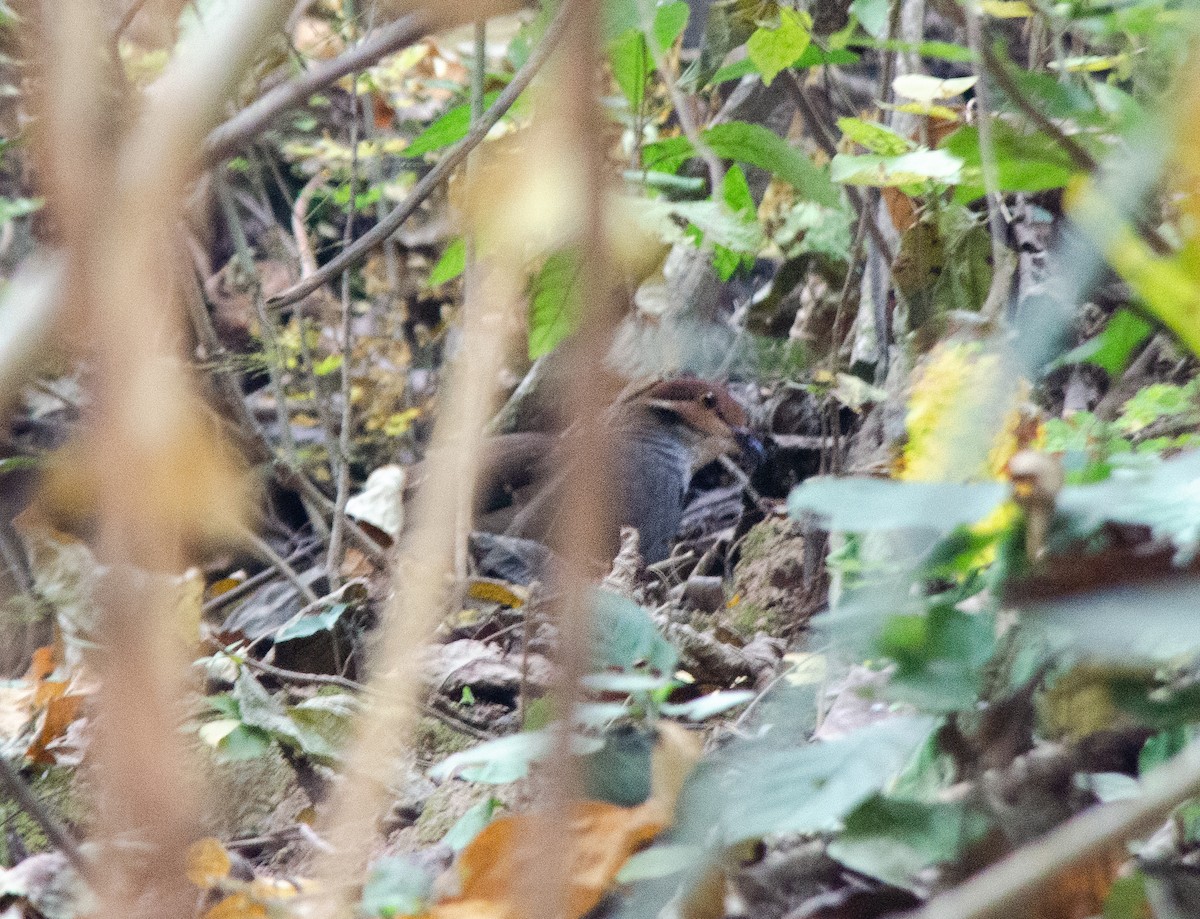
<point x="379" y="233"/>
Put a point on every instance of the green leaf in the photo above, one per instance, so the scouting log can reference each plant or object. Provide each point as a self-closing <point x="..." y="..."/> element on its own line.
<point x="452" y="263"/>
<point x="659" y="861"/>
<point x="1162" y="496"/>
<point x="735" y="191"/>
<point x="714" y="703"/>
<point x="12" y="208"/>
<point x="894" y="839"/>
<point x="773" y="49"/>
<point x="506" y="759"/>
<point x="875" y="137"/>
<point x="667" y="155"/>
<point x="1026" y="162"/>
<point x="631" y="65"/>
<point x="625" y="637"/>
<point x="467" y="827"/>
<point x="1113" y="348"/>
<point x="813" y="56"/>
<point x="811" y="789"/>
<point x="914" y="168"/>
<point x="312" y="623"/>
<point x="758" y="146"/>
<point x="873" y="15"/>
<point x="863" y="505"/>
<point x="619" y="772"/>
<point x="449" y="129"/>
<point x="940" y="657"/>
<point x="1155" y="402"/>
<point x="327" y="365"/>
<point x="670" y="20"/>
<point x="554" y="303"/>
<point x="396" y="887"/>
<point x="244" y="742"/>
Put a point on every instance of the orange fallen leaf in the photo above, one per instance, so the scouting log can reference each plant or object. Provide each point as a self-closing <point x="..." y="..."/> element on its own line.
<point x="498" y="864"/>
<point x="207" y="862"/>
<point x="60" y="712"/>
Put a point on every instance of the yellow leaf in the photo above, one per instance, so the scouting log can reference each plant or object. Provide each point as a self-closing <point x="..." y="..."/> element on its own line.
<point x="1006" y="9"/>
<point x="207" y="863"/>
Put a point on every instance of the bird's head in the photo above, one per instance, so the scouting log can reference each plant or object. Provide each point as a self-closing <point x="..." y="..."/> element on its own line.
<point x="705" y="412"/>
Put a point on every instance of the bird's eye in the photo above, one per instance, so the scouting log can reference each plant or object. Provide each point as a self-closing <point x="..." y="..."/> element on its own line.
<point x="709" y="400"/>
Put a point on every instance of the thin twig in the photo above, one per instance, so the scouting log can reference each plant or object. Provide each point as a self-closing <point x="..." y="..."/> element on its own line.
<point x="253" y="582"/>
<point x="263" y="548"/>
<point x="1004" y="262"/>
<point x="380" y="233"/>
<point x="998" y="890"/>
<point x="683" y="111"/>
<point x="828" y="143"/>
<point x="127" y="19"/>
<point x="341" y="470"/>
<point x="11" y="781"/>
<point x="224" y="141"/>
<point x="326" y="679"/>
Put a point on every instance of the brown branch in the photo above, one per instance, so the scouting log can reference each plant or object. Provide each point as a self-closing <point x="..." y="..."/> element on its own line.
<point x="224" y="141"/>
<point x="325" y="679"/>
<point x="378" y="234"/>
<point x="997" y="71"/>
<point x="11" y="781"/>
<point x="1000" y="889"/>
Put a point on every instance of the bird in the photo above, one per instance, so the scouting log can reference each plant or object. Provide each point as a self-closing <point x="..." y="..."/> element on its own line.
<point x="663" y="433"/>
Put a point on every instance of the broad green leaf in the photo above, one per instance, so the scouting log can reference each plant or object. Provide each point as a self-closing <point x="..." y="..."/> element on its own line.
<point x="631" y="65"/>
<point x="1155" y="402"/>
<point x="1164" y="626"/>
<point x="893" y="839"/>
<point x="620" y="771"/>
<point x="452" y="263"/>
<point x="467" y="826"/>
<point x="813" y="56"/>
<point x="758" y="146"/>
<point x="1164" y="496"/>
<point x="312" y="623"/>
<point x="913" y="168"/>
<point x="396" y="886"/>
<point x="325" y="723"/>
<point x="667" y="155"/>
<point x="863" y="505"/>
<point x="625" y="637"/>
<point x="619" y="16"/>
<point x="812" y="789"/>
<point x="670" y="20"/>
<point x="449" y="129"/>
<point x="875" y="137"/>
<point x="1027" y="162"/>
<point x="554" y="303"/>
<point x="659" y="861"/>
<point x="1113" y="348"/>
<point x="244" y="742"/>
<point x="773" y="49"/>
<point x="940" y="656"/>
<point x="872" y="15"/>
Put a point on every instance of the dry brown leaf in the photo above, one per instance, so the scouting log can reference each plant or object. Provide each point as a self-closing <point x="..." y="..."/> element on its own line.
<point x="676" y="752"/>
<point x="60" y="712"/>
<point x="496" y="865"/>
<point x="1081" y="891"/>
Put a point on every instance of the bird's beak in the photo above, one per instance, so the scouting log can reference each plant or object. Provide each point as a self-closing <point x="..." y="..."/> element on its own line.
<point x="752" y="448"/>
